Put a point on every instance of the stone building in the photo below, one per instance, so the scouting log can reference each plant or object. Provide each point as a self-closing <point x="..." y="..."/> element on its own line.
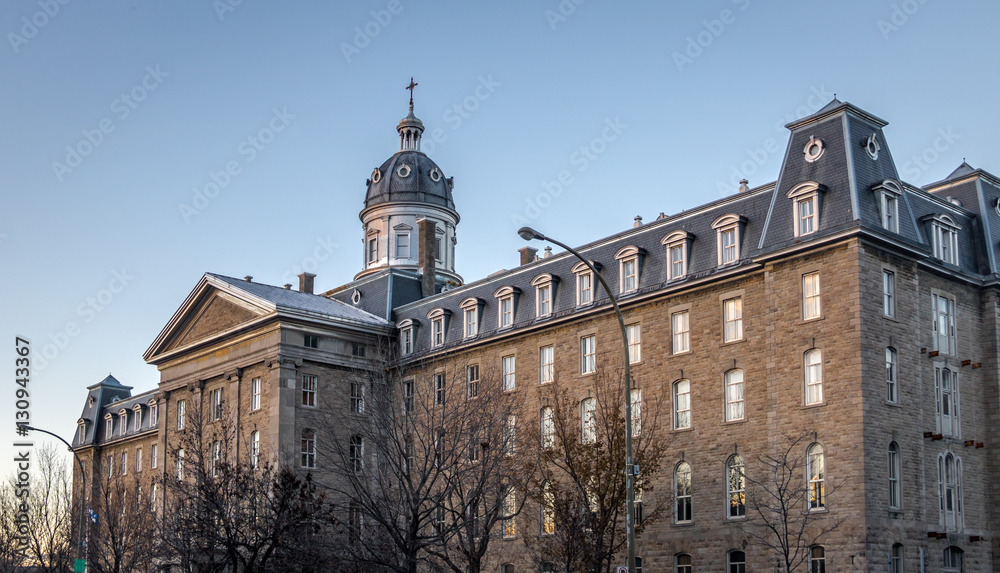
<point x="838" y="302"/>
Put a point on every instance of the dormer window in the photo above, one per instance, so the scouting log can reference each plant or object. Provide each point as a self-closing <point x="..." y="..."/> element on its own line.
<point x="472" y="310"/>
<point x="545" y="294"/>
<point x="407" y="336"/>
<point x="806" y="197"/>
<point x="439" y="325"/>
<point x="81" y="432"/>
<point x="944" y="238"/>
<point x="154" y="411"/>
<point x="888" y="193"/>
<point x="506" y="305"/>
<point x="629" y="265"/>
<point x="585" y="282"/>
<point x="137" y="417"/>
<point x="122" y="422"/>
<point x="678" y="246"/>
<point x="729" y="229"/>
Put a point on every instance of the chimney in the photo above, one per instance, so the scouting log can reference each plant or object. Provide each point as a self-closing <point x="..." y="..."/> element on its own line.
<point x="527" y="255"/>
<point x="426" y="236"/>
<point x="743" y="186"/>
<point x="637" y="223"/>
<point x="288" y="286"/>
<point x="306" y="282"/>
<point x="548" y="252"/>
<point x="248" y="278"/>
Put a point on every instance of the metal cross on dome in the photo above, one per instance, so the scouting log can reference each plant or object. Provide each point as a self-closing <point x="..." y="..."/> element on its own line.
<point x="410" y="87"/>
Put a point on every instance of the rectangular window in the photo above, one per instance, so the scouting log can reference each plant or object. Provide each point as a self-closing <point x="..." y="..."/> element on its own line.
<point x="630" y="275"/>
<point x="584" y="288"/>
<point x="254" y="449"/>
<point x="807" y="216"/>
<point x="810" y="296"/>
<point x="439" y="389"/>
<point x="946" y="394"/>
<point x="682" y="404"/>
<point x="216" y="401"/>
<point x="137" y="417"/>
<point x="472" y="381"/>
<point x="508" y="373"/>
<point x="588" y="354"/>
<point x="310" y="341"/>
<point x="111" y="466"/>
<point x="510" y="435"/>
<point x="181" y="414"/>
<point x="180" y="464"/>
<point x="946" y="244"/>
<point x="889" y="293"/>
<point x="308" y="449"/>
<point x="437" y="331"/>
<point x="255" y="394"/>
<point x="729" y="252"/>
<point x="154" y="415"/>
<point x="635" y="400"/>
<point x="814" y="376"/>
<point x="358" y="349"/>
<point x="109" y="428"/>
<point x="546" y="364"/>
<point x="890" y="213"/>
<point x="403" y="246"/>
<point x="544" y="301"/>
<point x="122" y="423"/>
<point x="358" y="397"/>
<point x="406" y="341"/>
<point x="124" y="463"/>
<point x="506" y="311"/>
<point x="308" y="390"/>
<point x="357" y="453"/>
<point x="732" y="311"/>
<point x="154" y="449"/>
<point x="372" y="249"/>
<point x="633" y="333"/>
<point x="138" y="459"/>
<point x="944" y="324"/>
<point x="408" y="396"/>
<point x="509" y="509"/>
<point x="216" y="458"/>
<point x="678" y="263"/>
<point x="890" y="376"/>
<point x="471" y="322"/>
<point x="734" y="395"/>
<point x="681" y="329"/>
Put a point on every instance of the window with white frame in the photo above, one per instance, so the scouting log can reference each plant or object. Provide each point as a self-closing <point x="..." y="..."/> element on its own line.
<point x="509" y="512"/>
<point x="546" y="364"/>
<point x="154" y="414"/>
<point x="508" y="372"/>
<point x="682" y="404"/>
<point x="545" y="293"/>
<point x="548" y="509"/>
<point x="629" y="266"/>
<point x="588" y="354"/>
<point x="137" y="417"/>
<point x="439" y="325"/>
<point x="736" y="562"/>
<point x="308" y="449"/>
<point x="358" y="397"/>
<point x="124" y="464"/>
<point x="678" y="245"/>
<point x="111" y="466"/>
<point x="81" y="432"/>
<point x="635" y="399"/>
<point x="308" y="390"/>
<point x="216" y="403"/>
<point x="548" y="427"/>
<point x="585" y="282"/>
<point x="682" y="493"/>
<point x="810" y="296"/>
<point x="728" y="229"/>
<point x="950" y="491"/>
<point x="439" y="389"/>
<point x="372" y="249"/>
<point x="817" y="559"/>
<point x="180" y="464"/>
<point x="588" y="421"/>
<point x="122" y="422"/>
<point x="472" y="381"/>
<point x="888" y="193"/>
<point x="682" y="563"/>
<point x="510" y="435"/>
<point x="216" y="457"/>
<point x="408" y="396"/>
<point x="506" y="305"/>
<point x="402" y="245"/>
<point x="944" y="237"/>
<point x="895" y="494"/>
<point x="181" y="414"/>
<point x="816" y="473"/>
<point x="254" y="449"/>
<point x="680" y="328"/>
<point x="356" y="453"/>
<point x="954" y="560"/>
<point x="734" y="395"/>
<point x="138" y="459"/>
<point x="896" y="558"/>
<point x="889" y="293"/>
<point x="732" y="319"/>
<point x="947" y="403"/>
<point x="806" y="198"/>
<point x="943" y="308"/>
<point x="255" y="388"/>
<point x="153" y="455"/>
<point x="891" y="387"/>
<point x="472" y="309"/>
<point x="736" y="485"/>
<point x="633" y="333"/>
<point x="407" y="336"/>
<point x="814" y="376"/>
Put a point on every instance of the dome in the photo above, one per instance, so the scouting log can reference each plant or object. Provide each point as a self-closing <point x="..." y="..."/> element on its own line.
<point x="409" y="177"/>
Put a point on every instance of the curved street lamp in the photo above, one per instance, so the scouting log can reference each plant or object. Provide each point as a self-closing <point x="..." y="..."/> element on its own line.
<point x="83" y="491"/>
<point x="528" y="234"/>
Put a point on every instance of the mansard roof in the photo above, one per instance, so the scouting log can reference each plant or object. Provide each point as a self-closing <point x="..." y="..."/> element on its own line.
<point x="109" y="397"/>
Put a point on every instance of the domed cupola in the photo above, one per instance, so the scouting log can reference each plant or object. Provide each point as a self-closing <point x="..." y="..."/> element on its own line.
<point x="407" y="189"/>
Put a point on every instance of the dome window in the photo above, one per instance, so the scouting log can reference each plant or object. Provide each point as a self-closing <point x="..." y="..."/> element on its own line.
<point x="403" y="171"/>
<point x="813" y="149"/>
<point x="435" y="175"/>
<point x="871" y="146"/>
<point x="376" y="175"/>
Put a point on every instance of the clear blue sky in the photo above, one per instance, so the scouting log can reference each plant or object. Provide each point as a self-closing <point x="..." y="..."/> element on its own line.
<point x="156" y="97"/>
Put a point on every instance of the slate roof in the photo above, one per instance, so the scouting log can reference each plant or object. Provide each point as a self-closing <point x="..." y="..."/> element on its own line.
<point x="109" y="396"/>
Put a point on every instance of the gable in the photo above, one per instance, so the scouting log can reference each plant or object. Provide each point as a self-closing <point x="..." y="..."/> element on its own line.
<point x="218" y="313"/>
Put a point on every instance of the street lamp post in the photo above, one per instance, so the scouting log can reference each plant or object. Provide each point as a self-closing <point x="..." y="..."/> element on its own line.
<point x="83" y="491"/>
<point x="527" y="233"/>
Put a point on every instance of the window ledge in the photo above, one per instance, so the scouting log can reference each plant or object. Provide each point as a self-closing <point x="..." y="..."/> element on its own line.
<point x="688" y="351"/>
<point x="813" y="319"/>
<point x="890" y="318"/>
<point x="893" y="404"/>
<point x="732" y="342"/>
<point x="687" y="429"/>
<point x="811" y="406"/>
<point x="682" y="524"/>
<point x="818" y="510"/>
<point x="732" y="422"/>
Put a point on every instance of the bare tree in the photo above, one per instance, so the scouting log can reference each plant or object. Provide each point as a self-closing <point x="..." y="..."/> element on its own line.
<point x="12" y="550"/>
<point x="576" y="479"/>
<point x="122" y="540"/>
<point x="419" y="464"/>
<point x="50" y="510"/>
<point x="784" y="490"/>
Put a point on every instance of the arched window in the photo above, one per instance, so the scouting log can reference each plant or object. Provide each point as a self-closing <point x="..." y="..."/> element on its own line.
<point x="950" y="491"/>
<point x="814" y="376"/>
<point x="682" y="563"/>
<point x="506" y="568"/>
<point x="816" y="472"/>
<point x="817" y="559"/>
<point x="953" y="560"/>
<point x="892" y="391"/>
<point x="548" y="509"/>
<point x="736" y="562"/>
<point x="895" y="499"/>
<point x="548" y="427"/>
<point x="682" y="492"/>
<point x="588" y="421"/>
<point x="682" y="404"/>
<point x="736" y="487"/>
<point x="308" y="449"/>
<point x="896" y="559"/>
<point x="734" y="395"/>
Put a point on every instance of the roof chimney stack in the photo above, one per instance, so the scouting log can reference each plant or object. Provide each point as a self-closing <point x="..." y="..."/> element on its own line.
<point x="743" y="186"/>
<point x="248" y="278"/>
<point x="527" y="255"/>
<point x="548" y="252"/>
<point x="306" y="282"/>
<point x="288" y="286"/>
<point x="427" y="241"/>
<point x="637" y="223"/>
